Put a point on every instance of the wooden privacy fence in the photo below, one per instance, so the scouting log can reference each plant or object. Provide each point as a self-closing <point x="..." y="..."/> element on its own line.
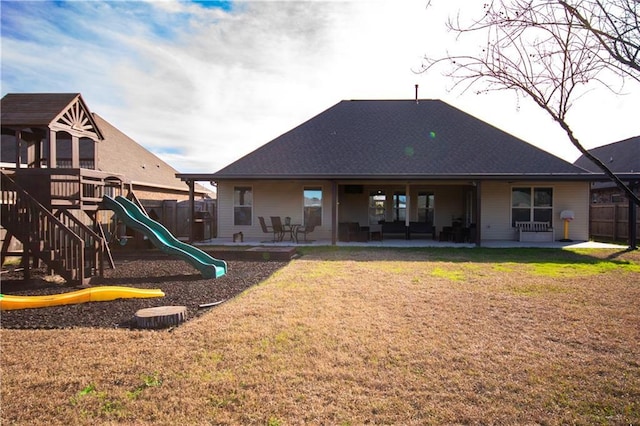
<point x="174" y="216"/>
<point x="610" y="222"/>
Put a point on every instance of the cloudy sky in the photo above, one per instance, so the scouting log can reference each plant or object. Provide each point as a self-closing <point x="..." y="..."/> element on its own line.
<point x="202" y="83"/>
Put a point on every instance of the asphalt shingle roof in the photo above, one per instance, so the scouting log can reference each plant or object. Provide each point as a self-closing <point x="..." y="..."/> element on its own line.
<point x="395" y="138"/>
<point x="34" y="109"/>
<point x="118" y="153"/>
<point x="619" y="157"/>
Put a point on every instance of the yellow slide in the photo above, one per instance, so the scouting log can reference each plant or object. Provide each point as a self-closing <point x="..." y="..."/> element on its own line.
<point x="94" y="294"/>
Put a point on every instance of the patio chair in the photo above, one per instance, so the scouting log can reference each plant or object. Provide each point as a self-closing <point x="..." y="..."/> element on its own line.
<point x="278" y="229"/>
<point x="304" y="230"/>
<point x="267" y="229"/>
<point x="358" y="233"/>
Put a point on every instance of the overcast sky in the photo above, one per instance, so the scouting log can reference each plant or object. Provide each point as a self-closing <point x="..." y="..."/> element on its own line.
<point x="203" y="83"/>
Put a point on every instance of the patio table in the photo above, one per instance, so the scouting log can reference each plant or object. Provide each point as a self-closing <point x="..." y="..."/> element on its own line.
<point x="291" y="230"/>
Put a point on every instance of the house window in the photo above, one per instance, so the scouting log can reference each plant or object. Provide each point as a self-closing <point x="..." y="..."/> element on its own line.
<point x="399" y="206"/>
<point x="313" y="206"/>
<point x="531" y="204"/>
<point x="242" y="205"/>
<point x="426" y="201"/>
<point x="377" y="201"/>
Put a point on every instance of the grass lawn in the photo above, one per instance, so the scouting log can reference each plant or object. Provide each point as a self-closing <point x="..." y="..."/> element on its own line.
<point x="353" y="336"/>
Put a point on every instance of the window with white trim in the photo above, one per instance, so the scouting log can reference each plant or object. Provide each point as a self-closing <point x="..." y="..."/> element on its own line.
<point x="313" y="206"/>
<point x="531" y="204"/>
<point x="242" y="205"/>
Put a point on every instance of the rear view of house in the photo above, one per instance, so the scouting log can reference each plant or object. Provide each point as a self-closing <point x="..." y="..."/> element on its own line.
<point x="402" y="169"/>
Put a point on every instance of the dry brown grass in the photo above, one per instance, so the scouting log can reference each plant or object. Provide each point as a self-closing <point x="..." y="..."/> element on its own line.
<point x="361" y="336"/>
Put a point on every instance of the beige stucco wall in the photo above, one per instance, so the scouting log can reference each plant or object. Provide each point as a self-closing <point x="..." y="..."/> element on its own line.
<point x="496" y="208"/>
<point x="285" y="198"/>
<point x="272" y="198"/>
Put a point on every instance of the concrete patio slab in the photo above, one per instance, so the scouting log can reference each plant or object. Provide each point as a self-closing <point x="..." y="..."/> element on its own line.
<point x="418" y="243"/>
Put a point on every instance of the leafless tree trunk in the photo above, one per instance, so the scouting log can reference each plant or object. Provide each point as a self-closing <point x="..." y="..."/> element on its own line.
<point x="552" y="51"/>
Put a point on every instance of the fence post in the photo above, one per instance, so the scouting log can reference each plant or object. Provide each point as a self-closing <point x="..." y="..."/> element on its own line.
<point x="632" y="220"/>
<point x="615" y="222"/>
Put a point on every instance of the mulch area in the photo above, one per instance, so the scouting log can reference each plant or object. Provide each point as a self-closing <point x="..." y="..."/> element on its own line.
<point x="182" y="284"/>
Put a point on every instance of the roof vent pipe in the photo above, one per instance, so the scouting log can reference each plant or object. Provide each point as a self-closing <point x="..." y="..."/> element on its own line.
<point x="416" y="93"/>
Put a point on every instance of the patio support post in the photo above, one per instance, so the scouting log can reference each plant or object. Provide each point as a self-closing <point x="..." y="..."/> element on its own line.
<point x="633" y="237"/>
<point x="334" y="212"/>
<point x="192" y="209"/>
<point x="407" y="219"/>
<point x="478" y="213"/>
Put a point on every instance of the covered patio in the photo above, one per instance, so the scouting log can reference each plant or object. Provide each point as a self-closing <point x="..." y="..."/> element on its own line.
<point x="415" y="243"/>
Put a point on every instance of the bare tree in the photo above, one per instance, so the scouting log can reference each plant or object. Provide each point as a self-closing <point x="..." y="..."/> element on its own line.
<point x="551" y="51"/>
<point x="615" y="25"/>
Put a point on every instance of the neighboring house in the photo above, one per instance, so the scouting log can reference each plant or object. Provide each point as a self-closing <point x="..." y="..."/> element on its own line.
<point x="416" y="163"/>
<point x="620" y="157"/>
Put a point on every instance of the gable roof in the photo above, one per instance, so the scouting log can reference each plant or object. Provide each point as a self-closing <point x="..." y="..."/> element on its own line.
<point x="619" y="157"/>
<point x="59" y="110"/>
<point x="34" y="108"/>
<point x="396" y="139"/>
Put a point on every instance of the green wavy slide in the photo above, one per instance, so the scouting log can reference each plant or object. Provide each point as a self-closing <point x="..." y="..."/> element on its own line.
<point x="161" y="238"/>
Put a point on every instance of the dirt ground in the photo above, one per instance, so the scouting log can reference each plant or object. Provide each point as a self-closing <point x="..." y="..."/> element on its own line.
<point x="182" y="284"/>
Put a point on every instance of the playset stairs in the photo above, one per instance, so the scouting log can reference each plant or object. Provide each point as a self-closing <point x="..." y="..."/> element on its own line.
<point x="67" y="246"/>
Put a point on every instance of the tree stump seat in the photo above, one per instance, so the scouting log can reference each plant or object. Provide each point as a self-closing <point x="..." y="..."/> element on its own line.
<point x="160" y="316"/>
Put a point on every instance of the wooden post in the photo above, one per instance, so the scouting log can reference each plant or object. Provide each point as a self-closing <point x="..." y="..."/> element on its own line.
<point x="26" y="255"/>
<point x="53" y="152"/>
<point x="18" y="136"/>
<point x="633" y="237"/>
<point x="75" y="152"/>
<point x="478" y="214"/>
<point x="334" y="212"/>
<point x="615" y="222"/>
<point x="32" y="158"/>
<point x="95" y="155"/>
<point x="192" y="210"/>
<point x="407" y="211"/>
